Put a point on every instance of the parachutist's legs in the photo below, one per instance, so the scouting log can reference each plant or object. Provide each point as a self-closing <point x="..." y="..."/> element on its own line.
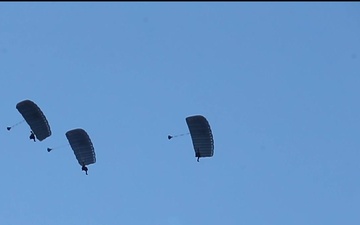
<point x="198" y="159"/>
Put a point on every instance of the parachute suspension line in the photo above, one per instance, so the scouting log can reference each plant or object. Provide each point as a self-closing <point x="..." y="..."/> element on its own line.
<point x="178" y="135"/>
<point x="60" y="146"/>
<point x="20" y="122"/>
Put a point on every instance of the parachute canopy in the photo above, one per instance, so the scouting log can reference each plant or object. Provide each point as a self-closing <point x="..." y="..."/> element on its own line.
<point x="35" y="118"/>
<point x="82" y="146"/>
<point x="201" y="136"/>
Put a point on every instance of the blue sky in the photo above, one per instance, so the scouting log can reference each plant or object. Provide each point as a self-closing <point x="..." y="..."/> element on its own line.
<point x="278" y="83"/>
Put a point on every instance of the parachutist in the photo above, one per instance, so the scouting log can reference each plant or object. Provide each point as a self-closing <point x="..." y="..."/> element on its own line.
<point x="82" y="146"/>
<point x="169" y="137"/>
<point x="35" y="118"/>
<point x="197" y="155"/>
<point x="32" y="136"/>
<point x="84" y="168"/>
<point x="201" y="136"/>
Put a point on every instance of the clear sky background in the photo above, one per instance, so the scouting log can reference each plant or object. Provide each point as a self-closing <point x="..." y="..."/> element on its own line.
<point x="279" y="84"/>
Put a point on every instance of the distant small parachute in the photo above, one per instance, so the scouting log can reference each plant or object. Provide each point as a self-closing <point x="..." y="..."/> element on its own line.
<point x="82" y="146"/>
<point x="201" y="136"/>
<point x="35" y="118"/>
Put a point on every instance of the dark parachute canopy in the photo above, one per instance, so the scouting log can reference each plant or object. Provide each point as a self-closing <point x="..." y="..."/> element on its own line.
<point x="201" y="136"/>
<point x="35" y="118"/>
<point x="82" y="146"/>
